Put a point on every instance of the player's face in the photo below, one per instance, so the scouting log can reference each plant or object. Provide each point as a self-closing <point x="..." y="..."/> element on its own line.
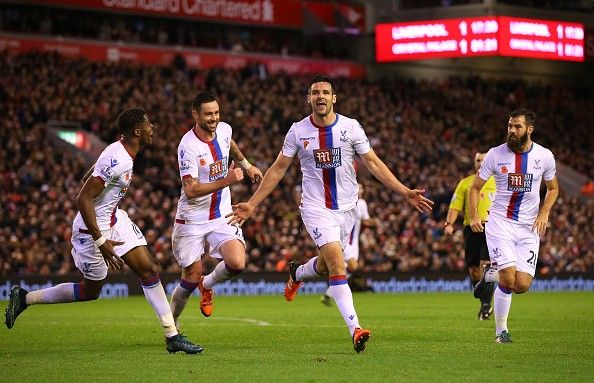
<point x="321" y="98"/>
<point x="478" y="160"/>
<point x="517" y="133"/>
<point x="146" y="132"/>
<point x="207" y="118"/>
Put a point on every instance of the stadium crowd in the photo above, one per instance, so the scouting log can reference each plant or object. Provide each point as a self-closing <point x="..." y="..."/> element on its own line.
<point x="423" y="129"/>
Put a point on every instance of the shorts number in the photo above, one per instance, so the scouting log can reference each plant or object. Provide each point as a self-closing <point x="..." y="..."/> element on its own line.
<point x="238" y="232"/>
<point x="532" y="259"/>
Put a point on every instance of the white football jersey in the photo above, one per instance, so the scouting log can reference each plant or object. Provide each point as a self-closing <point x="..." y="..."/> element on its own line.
<point x="362" y="214"/>
<point x="327" y="157"/>
<point x="518" y="177"/>
<point x="114" y="168"/>
<point x="207" y="162"/>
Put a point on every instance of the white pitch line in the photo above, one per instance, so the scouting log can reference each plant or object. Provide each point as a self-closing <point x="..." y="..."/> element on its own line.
<point x="248" y="320"/>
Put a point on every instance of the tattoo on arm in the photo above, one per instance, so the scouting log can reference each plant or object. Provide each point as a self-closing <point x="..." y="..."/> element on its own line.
<point x="235" y="152"/>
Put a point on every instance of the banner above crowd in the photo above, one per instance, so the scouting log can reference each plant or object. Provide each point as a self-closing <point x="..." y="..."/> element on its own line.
<point x="279" y="13"/>
<point x="194" y="58"/>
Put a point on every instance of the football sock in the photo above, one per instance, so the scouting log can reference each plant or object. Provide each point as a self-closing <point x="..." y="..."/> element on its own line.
<point x="155" y="295"/>
<point x="341" y="293"/>
<point x="221" y="273"/>
<point x="503" y="298"/>
<point x="307" y="270"/>
<point x="492" y="275"/>
<point x="180" y="297"/>
<point x="62" y="293"/>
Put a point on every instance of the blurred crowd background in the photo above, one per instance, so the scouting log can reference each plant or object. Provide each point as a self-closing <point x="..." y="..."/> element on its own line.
<point x="427" y="132"/>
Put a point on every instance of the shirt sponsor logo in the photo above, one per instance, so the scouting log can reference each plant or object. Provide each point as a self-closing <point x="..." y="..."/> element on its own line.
<point x="312" y="138"/>
<point x="518" y="182"/>
<point x="327" y="158"/>
<point x="217" y="170"/>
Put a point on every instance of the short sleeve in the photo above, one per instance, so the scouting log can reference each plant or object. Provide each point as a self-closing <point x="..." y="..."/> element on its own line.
<point x="187" y="161"/>
<point x="360" y="140"/>
<point x="551" y="169"/>
<point x="105" y="167"/>
<point x="487" y="167"/>
<point x="290" y="144"/>
<point x="457" y="201"/>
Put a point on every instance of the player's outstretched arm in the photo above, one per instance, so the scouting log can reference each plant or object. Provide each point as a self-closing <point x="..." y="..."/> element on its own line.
<point x="243" y="210"/>
<point x="193" y="188"/>
<point x="251" y="170"/>
<point x="473" y="199"/>
<point x="84" y="202"/>
<point x="540" y="224"/>
<point x="380" y="171"/>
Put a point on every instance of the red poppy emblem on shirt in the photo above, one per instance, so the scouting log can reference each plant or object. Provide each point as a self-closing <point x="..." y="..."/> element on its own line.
<point x="503" y="169"/>
<point x="305" y="143"/>
<point x="202" y="162"/>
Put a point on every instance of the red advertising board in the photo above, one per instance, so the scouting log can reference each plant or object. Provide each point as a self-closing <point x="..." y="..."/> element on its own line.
<point x="542" y="39"/>
<point x="196" y="58"/>
<point x="480" y="36"/>
<point x="279" y="13"/>
<point x="263" y="12"/>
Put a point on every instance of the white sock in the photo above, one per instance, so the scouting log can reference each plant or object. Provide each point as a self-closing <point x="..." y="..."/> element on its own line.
<point x="492" y="275"/>
<point x="308" y="270"/>
<point x="343" y="297"/>
<point x="221" y="273"/>
<point x="179" y="299"/>
<point x="502" y="304"/>
<point x="328" y="292"/>
<point x="155" y="295"/>
<point x="62" y="293"/>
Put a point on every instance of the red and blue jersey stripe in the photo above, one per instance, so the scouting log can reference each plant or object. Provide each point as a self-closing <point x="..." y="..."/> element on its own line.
<point x="215" y="201"/>
<point x="513" y="209"/>
<point x="329" y="175"/>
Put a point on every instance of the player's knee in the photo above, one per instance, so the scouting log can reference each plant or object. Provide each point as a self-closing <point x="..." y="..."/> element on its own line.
<point x="236" y="267"/>
<point x="147" y="271"/>
<point x="521" y="287"/>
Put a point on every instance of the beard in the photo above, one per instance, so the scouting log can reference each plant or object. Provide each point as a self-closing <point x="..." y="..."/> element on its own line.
<point x="516" y="143"/>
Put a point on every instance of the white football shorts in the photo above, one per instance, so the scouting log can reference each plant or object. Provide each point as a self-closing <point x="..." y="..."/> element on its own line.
<point x="326" y="226"/>
<point x="189" y="240"/>
<point x="88" y="258"/>
<point x="512" y="244"/>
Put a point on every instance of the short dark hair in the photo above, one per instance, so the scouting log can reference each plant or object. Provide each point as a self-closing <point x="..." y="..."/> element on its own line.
<point x="321" y="78"/>
<point x="128" y="119"/>
<point x="529" y="115"/>
<point x="202" y="98"/>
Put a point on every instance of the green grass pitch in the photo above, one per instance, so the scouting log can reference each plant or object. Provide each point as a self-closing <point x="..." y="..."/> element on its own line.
<point x="415" y="338"/>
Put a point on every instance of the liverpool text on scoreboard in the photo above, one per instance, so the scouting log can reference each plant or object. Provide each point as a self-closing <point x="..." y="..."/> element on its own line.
<point x="480" y="36"/>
